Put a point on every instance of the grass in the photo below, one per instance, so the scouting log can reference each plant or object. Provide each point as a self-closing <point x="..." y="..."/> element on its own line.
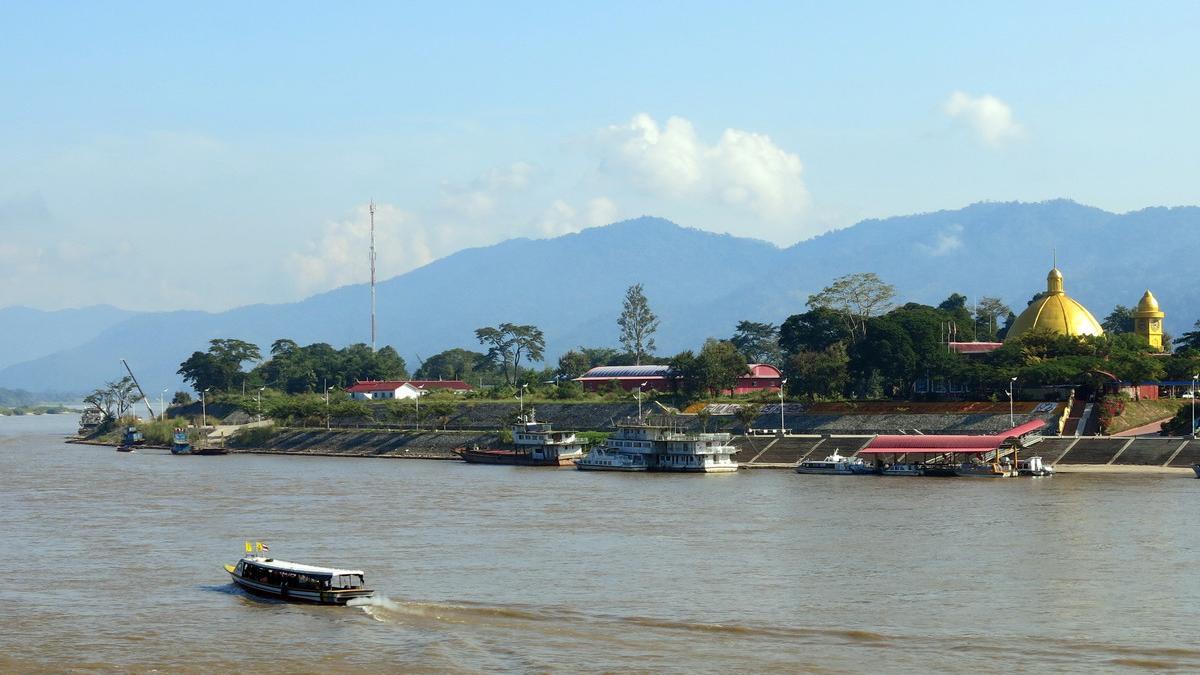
<point x="1139" y="413"/>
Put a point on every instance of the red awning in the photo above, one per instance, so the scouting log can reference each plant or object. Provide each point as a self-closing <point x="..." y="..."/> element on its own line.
<point x="1032" y="425"/>
<point x="955" y="441"/>
<point x="925" y="451"/>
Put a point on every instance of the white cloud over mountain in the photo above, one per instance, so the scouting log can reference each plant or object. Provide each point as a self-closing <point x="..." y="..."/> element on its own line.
<point x="989" y="118"/>
<point x="743" y="169"/>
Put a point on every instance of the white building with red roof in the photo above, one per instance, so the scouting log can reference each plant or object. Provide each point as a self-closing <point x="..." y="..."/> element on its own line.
<point x="385" y="389"/>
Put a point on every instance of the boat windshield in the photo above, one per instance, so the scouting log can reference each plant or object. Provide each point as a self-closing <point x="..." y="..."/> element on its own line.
<point x="348" y="581"/>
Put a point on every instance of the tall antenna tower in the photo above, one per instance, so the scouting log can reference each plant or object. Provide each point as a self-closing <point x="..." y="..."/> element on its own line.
<point x="372" y="209"/>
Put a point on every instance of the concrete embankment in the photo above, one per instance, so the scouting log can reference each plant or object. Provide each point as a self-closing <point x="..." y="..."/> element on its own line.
<point x="411" y="445"/>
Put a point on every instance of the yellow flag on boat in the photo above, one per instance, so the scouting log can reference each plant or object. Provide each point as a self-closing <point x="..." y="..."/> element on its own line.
<point x="248" y="549"/>
<point x="258" y="546"/>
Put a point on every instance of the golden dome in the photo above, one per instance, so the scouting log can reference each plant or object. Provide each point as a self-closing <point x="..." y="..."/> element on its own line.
<point x="1056" y="311"/>
<point x="1148" y="307"/>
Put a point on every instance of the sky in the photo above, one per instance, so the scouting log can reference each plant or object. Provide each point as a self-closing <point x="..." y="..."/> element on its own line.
<point x="164" y="156"/>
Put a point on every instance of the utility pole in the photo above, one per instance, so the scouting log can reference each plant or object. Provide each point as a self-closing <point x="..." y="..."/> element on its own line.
<point x="372" y="209"/>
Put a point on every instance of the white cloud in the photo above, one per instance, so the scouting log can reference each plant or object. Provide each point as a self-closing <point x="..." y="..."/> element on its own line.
<point x="944" y="242"/>
<point x="479" y="197"/>
<point x="990" y="118"/>
<point x="745" y="170"/>
<point x="341" y="257"/>
<point x="562" y="218"/>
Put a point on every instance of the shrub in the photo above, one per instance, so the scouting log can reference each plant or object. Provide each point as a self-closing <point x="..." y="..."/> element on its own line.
<point x="252" y="437"/>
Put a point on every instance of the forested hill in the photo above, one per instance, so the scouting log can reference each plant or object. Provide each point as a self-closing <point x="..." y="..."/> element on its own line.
<point x="701" y="284"/>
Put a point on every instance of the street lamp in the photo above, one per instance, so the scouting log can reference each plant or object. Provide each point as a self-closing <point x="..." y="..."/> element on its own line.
<point x="204" y="409"/>
<point x="782" y="384"/>
<point x="162" y="410"/>
<point x="639" y="398"/>
<point x="521" y="395"/>
<point x="420" y="389"/>
<point x="258" y="400"/>
<point x="327" y="424"/>
<point x="1012" y="384"/>
<point x="1194" y="378"/>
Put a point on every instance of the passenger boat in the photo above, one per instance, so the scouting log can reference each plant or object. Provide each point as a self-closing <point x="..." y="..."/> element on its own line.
<point x="130" y="439"/>
<point x="659" y="443"/>
<point x="537" y="444"/>
<point x="834" y="464"/>
<point x="293" y="581"/>
<point x="902" y="469"/>
<point x="180" y="444"/>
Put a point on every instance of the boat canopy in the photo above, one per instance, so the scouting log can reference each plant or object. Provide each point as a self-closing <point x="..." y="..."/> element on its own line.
<point x="286" y="566"/>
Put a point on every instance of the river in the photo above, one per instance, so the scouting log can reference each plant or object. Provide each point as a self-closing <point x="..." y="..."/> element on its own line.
<point x="114" y="564"/>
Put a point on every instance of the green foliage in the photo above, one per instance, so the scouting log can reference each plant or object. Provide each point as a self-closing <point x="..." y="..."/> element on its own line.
<point x="814" y="331"/>
<point x="114" y="399"/>
<point x="819" y="373"/>
<point x="456" y="364"/>
<point x="181" y="398"/>
<point x="507" y="343"/>
<point x="1190" y="339"/>
<point x="715" y="370"/>
<point x="293" y="369"/>
<point x="253" y="437"/>
<point x="220" y="368"/>
<point x="758" y="342"/>
<point x="858" y="297"/>
<point x="989" y="312"/>
<point x="638" y="324"/>
<point x="592" y="437"/>
<point x="1120" y="320"/>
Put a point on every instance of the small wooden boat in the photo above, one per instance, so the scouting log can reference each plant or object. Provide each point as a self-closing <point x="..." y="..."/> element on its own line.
<point x="296" y="582"/>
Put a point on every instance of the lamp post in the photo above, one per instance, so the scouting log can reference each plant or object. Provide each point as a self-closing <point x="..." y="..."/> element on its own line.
<point x="782" y="384"/>
<point x="1012" y="384"/>
<point x="420" y="390"/>
<point x="162" y="410"/>
<point x="521" y="395"/>
<point x="258" y="400"/>
<point x="204" y="409"/>
<point x="327" y="423"/>
<point x="639" y="399"/>
<point x="1194" y="378"/>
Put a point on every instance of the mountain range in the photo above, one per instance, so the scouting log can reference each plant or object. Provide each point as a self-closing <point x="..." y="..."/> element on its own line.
<point x="700" y="284"/>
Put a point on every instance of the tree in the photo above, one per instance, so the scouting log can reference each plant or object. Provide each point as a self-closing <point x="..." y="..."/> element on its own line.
<point x="1120" y="320"/>
<point x="220" y="367"/>
<point x="181" y="398"/>
<point x="1190" y="339"/>
<point x="858" y="296"/>
<point x="746" y="414"/>
<point x="814" y="330"/>
<point x="819" y="373"/>
<point x="454" y="364"/>
<point x="638" y="324"/>
<point x="988" y="312"/>
<point x="685" y="371"/>
<point x="758" y="342"/>
<point x="507" y="343"/>
<point x="720" y="365"/>
<point x="572" y="364"/>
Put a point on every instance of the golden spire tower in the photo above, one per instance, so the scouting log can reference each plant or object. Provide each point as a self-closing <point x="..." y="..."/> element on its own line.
<point x="1147" y="321"/>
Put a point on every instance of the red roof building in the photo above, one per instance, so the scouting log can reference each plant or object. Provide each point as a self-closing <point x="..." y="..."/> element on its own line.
<point x="381" y="389"/>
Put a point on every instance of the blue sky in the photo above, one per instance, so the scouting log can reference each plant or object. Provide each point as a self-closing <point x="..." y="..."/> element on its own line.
<point x="161" y="156"/>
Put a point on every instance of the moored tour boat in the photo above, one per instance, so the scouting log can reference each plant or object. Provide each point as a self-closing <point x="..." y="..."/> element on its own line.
<point x="902" y="469"/>
<point x="659" y="443"/>
<point x="537" y="444"/>
<point x="297" y="582"/>
<point x="180" y="444"/>
<point x="834" y="464"/>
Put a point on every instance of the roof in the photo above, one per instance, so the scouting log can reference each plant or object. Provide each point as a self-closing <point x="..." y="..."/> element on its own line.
<point x="892" y="443"/>
<point x="1057" y="312"/>
<point x="924" y="451"/>
<point x="625" y="372"/>
<point x="366" y="386"/>
<point x="298" y="567"/>
<point x="761" y="370"/>
<point x="975" y="347"/>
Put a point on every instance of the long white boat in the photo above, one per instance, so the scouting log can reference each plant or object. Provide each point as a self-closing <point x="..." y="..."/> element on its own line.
<point x="658" y="444"/>
<point x="834" y="464"/>
<point x="294" y="581"/>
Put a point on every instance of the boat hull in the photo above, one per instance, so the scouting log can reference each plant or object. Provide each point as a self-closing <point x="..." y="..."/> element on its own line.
<point x="582" y="466"/>
<point x="339" y="597"/>
<point x="511" y="458"/>
<point x="1196" y="468"/>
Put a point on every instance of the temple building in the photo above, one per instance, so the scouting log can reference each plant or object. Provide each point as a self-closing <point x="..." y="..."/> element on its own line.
<point x="1057" y="312"/>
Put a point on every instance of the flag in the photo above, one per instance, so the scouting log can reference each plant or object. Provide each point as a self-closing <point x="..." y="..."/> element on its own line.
<point x="266" y="548"/>
<point x="258" y="546"/>
<point x="248" y="549"/>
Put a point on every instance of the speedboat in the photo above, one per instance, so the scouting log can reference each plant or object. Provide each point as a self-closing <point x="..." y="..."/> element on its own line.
<point x="297" y="582"/>
<point x="834" y="464"/>
<point x="1034" y="466"/>
<point x="902" y="469"/>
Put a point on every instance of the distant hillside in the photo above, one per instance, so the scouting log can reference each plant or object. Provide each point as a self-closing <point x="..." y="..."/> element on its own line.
<point x="701" y="284"/>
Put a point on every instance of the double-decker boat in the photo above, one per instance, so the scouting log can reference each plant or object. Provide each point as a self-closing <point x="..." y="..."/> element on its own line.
<point x="660" y="444"/>
<point x="297" y="582"/>
<point x="536" y="444"/>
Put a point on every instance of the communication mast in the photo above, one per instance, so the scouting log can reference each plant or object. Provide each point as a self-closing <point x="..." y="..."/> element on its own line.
<point x="372" y="208"/>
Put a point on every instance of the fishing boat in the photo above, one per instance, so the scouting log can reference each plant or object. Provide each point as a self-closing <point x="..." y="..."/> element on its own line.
<point x="180" y="445"/>
<point x="536" y="444"/>
<point x="834" y="464"/>
<point x="130" y="439"/>
<point x="297" y="582"/>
